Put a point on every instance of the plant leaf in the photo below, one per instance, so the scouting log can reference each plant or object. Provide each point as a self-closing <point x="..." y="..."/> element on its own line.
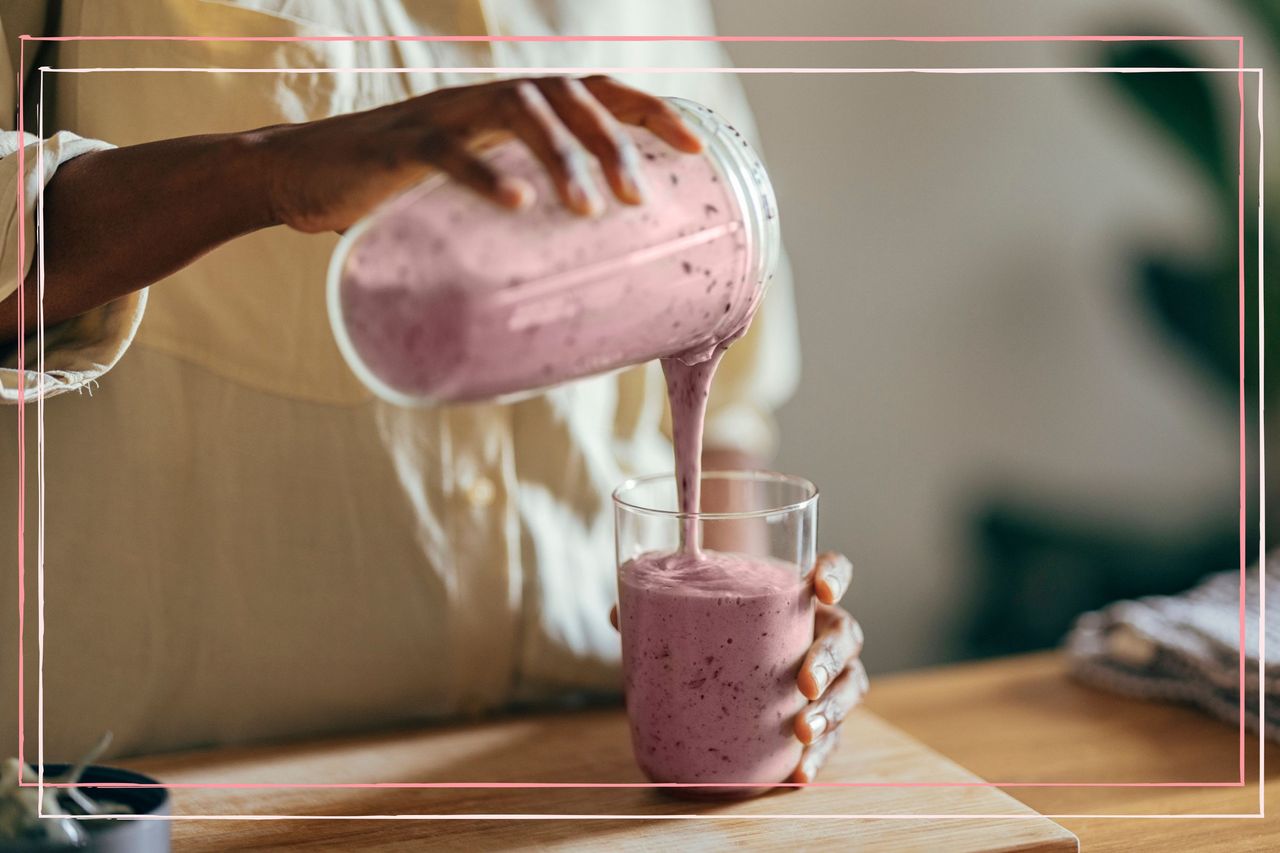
<point x="1267" y="15"/>
<point x="1181" y="104"/>
<point x="1197" y="308"/>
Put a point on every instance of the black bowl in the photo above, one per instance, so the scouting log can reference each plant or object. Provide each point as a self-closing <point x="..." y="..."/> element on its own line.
<point x="118" y="835"/>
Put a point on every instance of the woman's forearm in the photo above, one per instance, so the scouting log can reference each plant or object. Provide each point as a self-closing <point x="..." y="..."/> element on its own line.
<point x="116" y="221"/>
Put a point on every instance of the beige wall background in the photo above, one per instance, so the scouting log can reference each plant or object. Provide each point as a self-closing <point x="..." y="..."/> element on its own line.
<point x="958" y="245"/>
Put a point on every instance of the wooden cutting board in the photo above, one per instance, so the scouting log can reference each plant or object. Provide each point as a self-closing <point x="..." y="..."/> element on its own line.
<point x="590" y="746"/>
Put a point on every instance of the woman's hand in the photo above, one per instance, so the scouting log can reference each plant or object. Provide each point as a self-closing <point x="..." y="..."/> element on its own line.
<point x="324" y="175"/>
<point x="831" y="677"/>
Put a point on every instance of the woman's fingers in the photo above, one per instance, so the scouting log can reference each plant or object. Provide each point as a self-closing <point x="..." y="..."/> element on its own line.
<point x="467" y="168"/>
<point x="560" y="119"/>
<point x="826" y="714"/>
<point x="838" y="642"/>
<point x="533" y="120"/>
<point x="832" y="574"/>
<point x="814" y="756"/>
<point x="631" y="106"/>
<point x="599" y="132"/>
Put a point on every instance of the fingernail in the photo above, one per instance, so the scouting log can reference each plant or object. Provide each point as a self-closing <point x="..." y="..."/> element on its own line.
<point x="833" y="586"/>
<point x="632" y="186"/>
<point x="817" y="725"/>
<point x="515" y="192"/>
<point x="584" y="200"/>
<point x="821" y="676"/>
<point x="630" y="173"/>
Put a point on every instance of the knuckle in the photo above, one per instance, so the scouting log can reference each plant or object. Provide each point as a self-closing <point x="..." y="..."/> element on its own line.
<point x="523" y="93"/>
<point x="829" y="656"/>
<point x="434" y="145"/>
<point x="843" y="698"/>
<point x="855" y="632"/>
<point x="841" y="621"/>
<point x="574" y="87"/>
<point x="555" y="83"/>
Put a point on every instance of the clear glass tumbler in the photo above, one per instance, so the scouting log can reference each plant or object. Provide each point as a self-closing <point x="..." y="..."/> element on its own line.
<point x="712" y="639"/>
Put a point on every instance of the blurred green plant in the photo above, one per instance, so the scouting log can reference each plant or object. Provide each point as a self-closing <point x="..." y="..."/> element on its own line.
<point x="1195" y="298"/>
<point x="1039" y="567"/>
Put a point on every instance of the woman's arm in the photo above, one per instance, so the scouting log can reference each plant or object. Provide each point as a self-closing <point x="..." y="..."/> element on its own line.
<point x="116" y="221"/>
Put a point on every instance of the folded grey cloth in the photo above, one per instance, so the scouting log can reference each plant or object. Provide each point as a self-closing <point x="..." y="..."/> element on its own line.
<point x="1186" y="648"/>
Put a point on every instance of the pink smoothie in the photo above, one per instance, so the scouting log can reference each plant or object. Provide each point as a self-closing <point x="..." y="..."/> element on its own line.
<point x="711" y="646"/>
<point x="446" y="297"/>
<point x="688" y="387"/>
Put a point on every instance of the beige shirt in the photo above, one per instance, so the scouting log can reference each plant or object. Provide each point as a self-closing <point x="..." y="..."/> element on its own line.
<point x="240" y="541"/>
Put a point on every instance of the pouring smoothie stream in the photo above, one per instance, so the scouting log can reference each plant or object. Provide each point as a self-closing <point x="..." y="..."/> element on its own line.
<point x="712" y="641"/>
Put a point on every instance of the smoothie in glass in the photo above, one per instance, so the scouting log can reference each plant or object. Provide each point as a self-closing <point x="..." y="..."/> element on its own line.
<point x="711" y="646"/>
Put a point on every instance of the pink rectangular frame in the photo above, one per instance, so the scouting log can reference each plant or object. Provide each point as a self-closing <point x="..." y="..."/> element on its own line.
<point x="1240" y="70"/>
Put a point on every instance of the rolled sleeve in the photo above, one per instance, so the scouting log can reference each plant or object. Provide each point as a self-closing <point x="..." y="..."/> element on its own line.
<point x="79" y="351"/>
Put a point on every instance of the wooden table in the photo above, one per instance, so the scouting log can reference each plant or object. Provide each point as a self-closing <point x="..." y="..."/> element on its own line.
<point x="1012" y="720"/>
<point x="1023" y="720"/>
